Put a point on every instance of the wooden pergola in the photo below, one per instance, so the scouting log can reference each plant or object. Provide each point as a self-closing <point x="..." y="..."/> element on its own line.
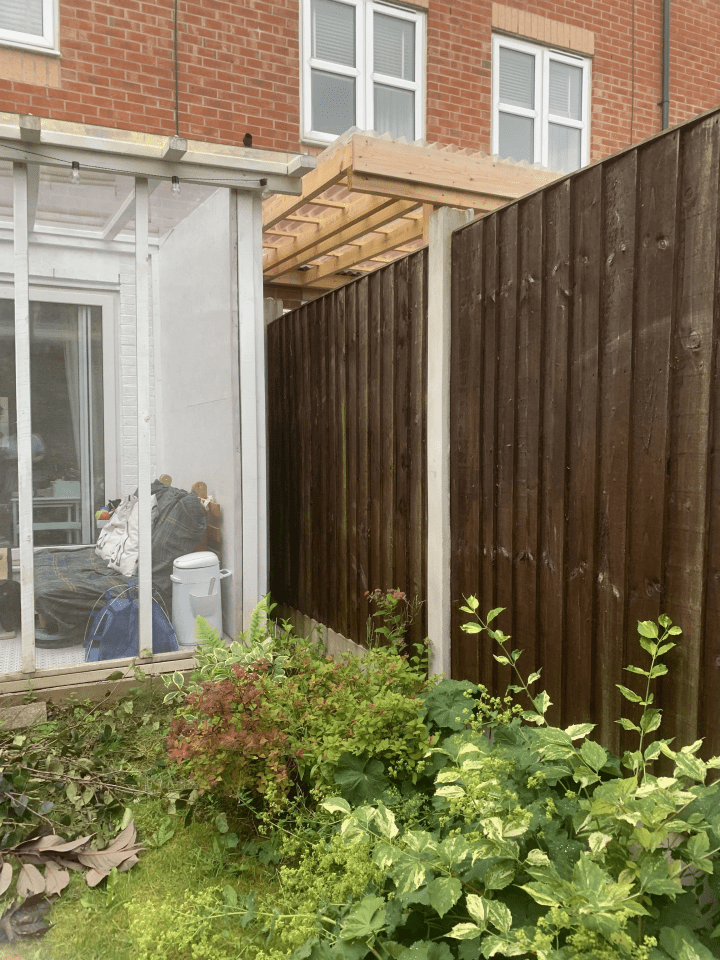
<point x="367" y="203"/>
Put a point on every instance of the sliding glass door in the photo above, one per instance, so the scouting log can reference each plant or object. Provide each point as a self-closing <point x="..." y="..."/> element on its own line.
<point x="66" y="382"/>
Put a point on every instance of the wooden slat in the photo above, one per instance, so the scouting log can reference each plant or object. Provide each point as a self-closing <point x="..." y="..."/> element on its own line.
<point x="375" y="487"/>
<point x="337" y="551"/>
<point x="401" y="418"/>
<point x="582" y="445"/>
<point x="465" y="459"/>
<point x="364" y="215"/>
<point x="488" y="442"/>
<point x="306" y="315"/>
<point x="657" y="187"/>
<point x="529" y="351"/>
<point x="554" y="373"/>
<point x="615" y="365"/>
<point x="364" y="511"/>
<point x="276" y="502"/>
<point x="325" y="175"/>
<point x="417" y="496"/>
<point x="351" y="479"/>
<point x="438" y="196"/>
<point x="387" y="428"/>
<point x="475" y="173"/>
<point x="323" y="506"/>
<point x="506" y="387"/>
<point x="692" y="352"/>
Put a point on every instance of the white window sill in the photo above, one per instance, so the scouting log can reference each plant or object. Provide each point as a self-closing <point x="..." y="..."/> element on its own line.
<point x="29" y="47"/>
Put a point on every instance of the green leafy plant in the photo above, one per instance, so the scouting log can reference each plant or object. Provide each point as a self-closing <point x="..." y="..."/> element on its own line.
<point x="534" y="843"/>
<point x="263" y="641"/>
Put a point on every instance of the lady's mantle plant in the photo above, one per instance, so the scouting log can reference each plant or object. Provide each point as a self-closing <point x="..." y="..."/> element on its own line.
<point x="537" y="844"/>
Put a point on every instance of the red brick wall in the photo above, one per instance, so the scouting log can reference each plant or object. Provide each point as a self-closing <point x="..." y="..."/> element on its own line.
<point x="239" y="68"/>
<point x="238" y="59"/>
<point x="459" y="50"/>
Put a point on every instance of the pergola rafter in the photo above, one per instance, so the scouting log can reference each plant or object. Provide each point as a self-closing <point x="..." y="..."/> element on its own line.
<point x="367" y="203"/>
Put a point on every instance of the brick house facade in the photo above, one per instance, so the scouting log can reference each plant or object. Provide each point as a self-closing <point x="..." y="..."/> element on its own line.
<point x="239" y="66"/>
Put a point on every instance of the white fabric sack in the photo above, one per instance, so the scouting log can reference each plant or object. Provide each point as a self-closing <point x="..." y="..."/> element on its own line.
<point x="118" y="540"/>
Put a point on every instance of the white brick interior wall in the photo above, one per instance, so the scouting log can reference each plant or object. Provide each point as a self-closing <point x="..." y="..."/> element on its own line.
<point x="127" y="380"/>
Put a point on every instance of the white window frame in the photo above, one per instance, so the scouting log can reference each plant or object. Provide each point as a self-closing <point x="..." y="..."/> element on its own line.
<point x="363" y="72"/>
<point x="541" y="114"/>
<point x="43" y="43"/>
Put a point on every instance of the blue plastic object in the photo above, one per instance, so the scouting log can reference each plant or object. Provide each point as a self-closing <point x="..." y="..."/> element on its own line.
<point x="114" y="628"/>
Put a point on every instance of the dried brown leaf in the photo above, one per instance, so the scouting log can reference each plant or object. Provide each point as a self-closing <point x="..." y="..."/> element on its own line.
<point x="5" y="877"/>
<point x="24" y="918"/>
<point x="69" y="864"/>
<point x="105" y="860"/>
<point x="94" y="877"/>
<point x="56" y="878"/>
<point x="30" y="880"/>
<point x="127" y="864"/>
<point x="126" y="838"/>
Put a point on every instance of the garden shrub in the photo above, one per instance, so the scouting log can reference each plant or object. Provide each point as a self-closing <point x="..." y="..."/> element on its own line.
<point x="353" y="724"/>
<point x="534" y="843"/>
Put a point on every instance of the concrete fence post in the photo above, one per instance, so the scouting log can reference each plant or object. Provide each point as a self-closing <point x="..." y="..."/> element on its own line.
<point x="442" y="224"/>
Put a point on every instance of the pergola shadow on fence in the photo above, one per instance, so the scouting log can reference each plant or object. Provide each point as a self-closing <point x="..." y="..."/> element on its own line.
<point x="581" y="435"/>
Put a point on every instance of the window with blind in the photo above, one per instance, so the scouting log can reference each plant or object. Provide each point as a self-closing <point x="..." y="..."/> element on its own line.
<point x="541" y="105"/>
<point x="29" y="23"/>
<point x="363" y="67"/>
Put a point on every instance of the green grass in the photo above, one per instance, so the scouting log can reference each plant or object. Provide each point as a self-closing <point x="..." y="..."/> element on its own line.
<point x="180" y="879"/>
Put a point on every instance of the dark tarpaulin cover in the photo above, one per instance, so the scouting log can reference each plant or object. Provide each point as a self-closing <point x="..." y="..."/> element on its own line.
<point x="69" y="583"/>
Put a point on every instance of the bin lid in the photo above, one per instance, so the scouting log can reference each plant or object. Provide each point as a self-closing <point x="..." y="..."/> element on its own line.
<point x="196" y="561"/>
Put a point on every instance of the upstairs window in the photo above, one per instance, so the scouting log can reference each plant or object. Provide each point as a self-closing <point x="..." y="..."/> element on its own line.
<point x="541" y="105"/>
<point x="28" y="23"/>
<point x="363" y="67"/>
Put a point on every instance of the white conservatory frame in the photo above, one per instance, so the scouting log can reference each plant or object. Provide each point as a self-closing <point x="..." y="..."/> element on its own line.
<point x="247" y="173"/>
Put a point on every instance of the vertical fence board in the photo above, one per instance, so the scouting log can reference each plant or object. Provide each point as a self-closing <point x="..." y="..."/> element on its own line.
<point x="615" y="365"/>
<point x="465" y="460"/>
<point x="582" y="446"/>
<point x="401" y="421"/>
<point x="417" y="513"/>
<point x="363" y="478"/>
<point x="376" y="334"/>
<point x="529" y="349"/>
<point x="655" y="257"/>
<point x="305" y="418"/>
<point x="506" y="388"/>
<point x="387" y="429"/>
<point x="691" y="361"/>
<point x="709" y="727"/>
<point x="489" y="441"/>
<point x="351" y="479"/>
<point x="551" y="580"/>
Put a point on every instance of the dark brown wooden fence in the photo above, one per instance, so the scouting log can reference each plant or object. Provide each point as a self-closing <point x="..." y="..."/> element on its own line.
<point x="346" y="436"/>
<point x="585" y="411"/>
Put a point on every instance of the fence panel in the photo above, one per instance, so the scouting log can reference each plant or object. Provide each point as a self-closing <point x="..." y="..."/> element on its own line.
<point x="589" y="424"/>
<point x="347" y="448"/>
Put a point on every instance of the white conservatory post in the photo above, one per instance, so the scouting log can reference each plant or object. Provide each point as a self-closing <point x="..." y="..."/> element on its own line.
<point x="142" y="347"/>
<point x="253" y="404"/>
<point x="23" y="404"/>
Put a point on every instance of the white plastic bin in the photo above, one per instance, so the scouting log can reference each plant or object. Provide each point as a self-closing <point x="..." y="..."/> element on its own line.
<point x="196" y="592"/>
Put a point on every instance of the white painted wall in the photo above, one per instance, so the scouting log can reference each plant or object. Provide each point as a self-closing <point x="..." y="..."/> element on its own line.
<point x="197" y="373"/>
